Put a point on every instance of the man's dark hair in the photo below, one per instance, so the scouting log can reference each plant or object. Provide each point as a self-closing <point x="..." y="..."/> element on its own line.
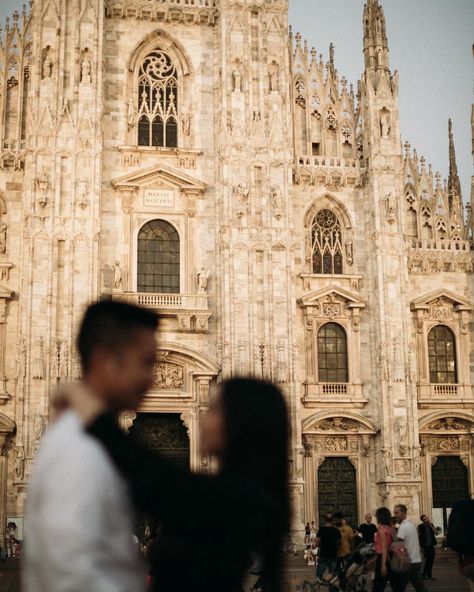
<point x="111" y="325"/>
<point x="328" y="518"/>
<point x="403" y="509"/>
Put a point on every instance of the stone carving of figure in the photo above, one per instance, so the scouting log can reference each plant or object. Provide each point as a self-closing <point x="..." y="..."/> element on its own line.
<point x="39" y="426"/>
<point x="349" y="252"/>
<point x="19" y="463"/>
<point x="186" y="121"/>
<point x="38" y="359"/>
<point x="3" y="237"/>
<point x="117" y="276"/>
<point x="130" y="113"/>
<point x="398" y="373"/>
<point x="277" y="198"/>
<point x="273" y="81"/>
<point x="384" y="125"/>
<point x="203" y="280"/>
<point x="86" y="68"/>
<point x="391" y="209"/>
<point x="387" y="461"/>
<point x="42" y="183"/>
<point x="242" y="192"/>
<point x="47" y="65"/>
<point x="237" y="79"/>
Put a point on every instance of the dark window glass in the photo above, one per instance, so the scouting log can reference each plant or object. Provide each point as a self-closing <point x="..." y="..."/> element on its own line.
<point x="157" y="101"/>
<point x="158" y="241"/>
<point x="442" y="355"/>
<point x="326" y="240"/>
<point x="332" y="354"/>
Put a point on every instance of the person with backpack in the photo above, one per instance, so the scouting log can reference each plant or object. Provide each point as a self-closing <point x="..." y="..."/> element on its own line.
<point x="383" y="540"/>
<point x="407" y="532"/>
<point x="460" y="537"/>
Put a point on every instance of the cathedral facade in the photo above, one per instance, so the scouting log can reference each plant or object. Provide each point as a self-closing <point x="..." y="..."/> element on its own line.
<point x="195" y="157"/>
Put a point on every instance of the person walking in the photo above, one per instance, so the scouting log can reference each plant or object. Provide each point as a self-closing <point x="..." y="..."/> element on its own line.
<point x="427" y="538"/>
<point x="408" y="533"/>
<point x="307" y="534"/>
<point x="246" y="428"/>
<point x="368" y="530"/>
<point x="327" y="539"/>
<point x="383" y="539"/>
<point x="78" y="514"/>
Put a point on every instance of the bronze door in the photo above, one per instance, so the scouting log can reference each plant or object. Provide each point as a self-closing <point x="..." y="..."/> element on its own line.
<point x="337" y="489"/>
<point x="165" y="433"/>
<point x="450" y="483"/>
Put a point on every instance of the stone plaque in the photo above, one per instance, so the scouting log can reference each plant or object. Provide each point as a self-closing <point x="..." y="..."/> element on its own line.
<point x="163" y="198"/>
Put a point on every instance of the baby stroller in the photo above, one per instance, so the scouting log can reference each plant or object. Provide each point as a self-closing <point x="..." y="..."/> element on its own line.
<point x="352" y="577"/>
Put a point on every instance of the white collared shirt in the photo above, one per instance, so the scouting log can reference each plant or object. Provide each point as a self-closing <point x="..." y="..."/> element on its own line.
<point x="409" y="534"/>
<point x="78" y="534"/>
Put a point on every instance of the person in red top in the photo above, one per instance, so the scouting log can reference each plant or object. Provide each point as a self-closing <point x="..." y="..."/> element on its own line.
<point x="383" y="539"/>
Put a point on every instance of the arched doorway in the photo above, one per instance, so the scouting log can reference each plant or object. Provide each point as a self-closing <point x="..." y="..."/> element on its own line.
<point x="337" y="488"/>
<point x="165" y="433"/>
<point x="450" y="483"/>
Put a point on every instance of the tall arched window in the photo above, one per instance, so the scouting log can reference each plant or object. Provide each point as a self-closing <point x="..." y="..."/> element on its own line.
<point x="326" y="236"/>
<point x="158" y="258"/>
<point x="442" y="355"/>
<point x="332" y="354"/>
<point x="158" y="101"/>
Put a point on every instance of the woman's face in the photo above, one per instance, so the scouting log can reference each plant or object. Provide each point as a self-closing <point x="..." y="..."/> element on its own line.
<point x="212" y="429"/>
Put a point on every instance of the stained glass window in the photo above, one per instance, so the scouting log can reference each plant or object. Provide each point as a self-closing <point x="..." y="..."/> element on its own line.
<point x="158" y="258"/>
<point x="326" y="234"/>
<point x="332" y="353"/>
<point x="158" y="101"/>
<point x="442" y="355"/>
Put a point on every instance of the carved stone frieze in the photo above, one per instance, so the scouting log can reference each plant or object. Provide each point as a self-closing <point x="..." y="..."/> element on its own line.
<point x="448" y="424"/>
<point x="169" y="376"/>
<point x="337" y="424"/>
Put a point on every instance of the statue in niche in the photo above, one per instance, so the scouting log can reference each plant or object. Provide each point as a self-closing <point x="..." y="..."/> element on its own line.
<point x="242" y="193"/>
<point x="277" y="198"/>
<point x="42" y="184"/>
<point x="391" y="208"/>
<point x="82" y="193"/>
<point x="237" y="79"/>
<point x="3" y="237"/>
<point x="274" y="80"/>
<point x="384" y="125"/>
<point x="203" y="280"/>
<point x="398" y="373"/>
<point x="117" y="276"/>
<point x="387" y="460"/>
<point x="86" y="68"/>
<point x="130" y="113"/>
<point x="47" y="64"/>
<point x="349" y="253"/>
<point x="186" y="122"/>
<point x="19" y="463"/>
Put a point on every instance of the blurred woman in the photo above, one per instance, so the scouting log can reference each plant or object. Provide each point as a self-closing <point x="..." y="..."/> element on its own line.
<point x="246" y="428"/>
<point x="383" y="539"/>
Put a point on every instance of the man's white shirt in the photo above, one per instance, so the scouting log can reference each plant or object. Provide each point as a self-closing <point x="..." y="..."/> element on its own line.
<point x="78" y="535"/>
<point x="409" y="534"/>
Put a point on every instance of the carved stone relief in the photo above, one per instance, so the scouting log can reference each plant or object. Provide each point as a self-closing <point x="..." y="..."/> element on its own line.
<point x="169" y="376"/>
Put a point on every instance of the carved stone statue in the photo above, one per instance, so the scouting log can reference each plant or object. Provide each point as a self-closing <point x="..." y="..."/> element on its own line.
<point x="277" y="198"/>
<point x="38" y="359"/>
<point x="19" y="463"/>
<point x="237" y="79"/>
<point x="117" y="276"/>
<point x="86" y="68"/>
<point x="398" y="373"/>
<point x="3" y="238"/>
<point x="242" y="193"/>
<point x="391" y="208"/>
<point x="349" y="253"/>
<point x="387" y="461"/>
<point x="273" y="81"/>
<point x="203" y="280"/>
<point x="47" y="65"/>
<point x="384" y="125"/>
<point x="42" y="184"/>
<point x="186" y="122"/>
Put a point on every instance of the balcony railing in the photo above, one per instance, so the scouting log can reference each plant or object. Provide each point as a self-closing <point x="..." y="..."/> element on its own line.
<point x="439" y="245"/>
<point x="326" y="161"/>
<point x="165" y="301"/>
<point x="334" y="388"/>
<point x="445" y="390"/>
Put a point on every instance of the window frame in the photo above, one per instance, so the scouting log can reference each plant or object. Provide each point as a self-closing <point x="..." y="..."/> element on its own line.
<point x="436" y="356"/>
<point x="337" y="353"/>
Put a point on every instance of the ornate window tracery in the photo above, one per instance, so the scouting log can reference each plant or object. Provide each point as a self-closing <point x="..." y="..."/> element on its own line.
<point x="332" y="354"/>
<point x="442" y="355"/>
<point x="326" y="240"/>
<point x="158" y="101"/>
<point x="158" y="258"/>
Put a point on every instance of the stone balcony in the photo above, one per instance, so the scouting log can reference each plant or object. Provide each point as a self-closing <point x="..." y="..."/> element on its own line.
<point x="426" y="256"/>
<point x="439" y="245"/>
<point x="190" y="310"/>
<point x="445" y="395"/>
<point x="334" y="393"/>
<point x="327" y="170"/>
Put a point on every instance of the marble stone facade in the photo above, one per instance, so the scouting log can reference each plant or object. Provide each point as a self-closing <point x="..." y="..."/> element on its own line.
<point x="295" y="205"/>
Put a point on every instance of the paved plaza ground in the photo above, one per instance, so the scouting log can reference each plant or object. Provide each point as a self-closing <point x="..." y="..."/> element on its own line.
<point x="445" y="572"/>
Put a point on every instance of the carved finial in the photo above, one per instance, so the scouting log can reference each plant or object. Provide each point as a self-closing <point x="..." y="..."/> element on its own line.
<point x="407" y="148"/>
<point x="314" y="54"/>
<point x="422" y="162"/>
<point x="331" y="54"/>
<point x="298" y="40"/>
<point x="454" y="184"/>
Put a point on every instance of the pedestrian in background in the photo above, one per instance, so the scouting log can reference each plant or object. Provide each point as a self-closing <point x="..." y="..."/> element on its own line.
<point x="328" y="537"/>
<point x="427" y="538"/>
<point x="408" y="533"/>
<point x="368" y="530"/>
<point x="383" y="539"/>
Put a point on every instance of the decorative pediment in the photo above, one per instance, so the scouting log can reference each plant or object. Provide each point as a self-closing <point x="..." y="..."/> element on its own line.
<point x="330" y="299"/>
<point x="441" y="299"/>
<point x="349" y="423"/>
<point x="7" y="425"/>
<point x="441" y="423"/>
<point x="162" y="175"/>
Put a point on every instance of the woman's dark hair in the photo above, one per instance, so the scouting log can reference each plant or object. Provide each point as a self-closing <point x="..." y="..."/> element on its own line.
<point x="256" y="445"/>
<point x="384" y="516"/>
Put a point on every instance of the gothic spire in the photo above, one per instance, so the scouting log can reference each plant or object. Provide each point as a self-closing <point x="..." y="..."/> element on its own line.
<point x="454" y="185"/>
<point x="375" y="37"/>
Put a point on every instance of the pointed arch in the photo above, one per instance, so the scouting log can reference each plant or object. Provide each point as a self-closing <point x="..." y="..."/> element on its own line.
<point x="331" y="202"/>
<point x="167" y="43"/>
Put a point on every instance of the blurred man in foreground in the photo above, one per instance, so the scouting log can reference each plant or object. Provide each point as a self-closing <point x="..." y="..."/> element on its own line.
<point x="78" y="517"/>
